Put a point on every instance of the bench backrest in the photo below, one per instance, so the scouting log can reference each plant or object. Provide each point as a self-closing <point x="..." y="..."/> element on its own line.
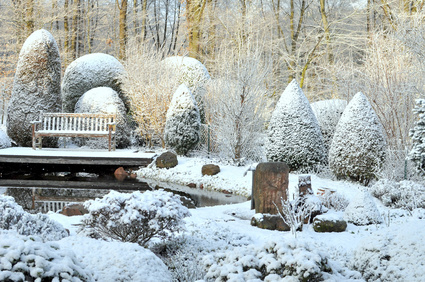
<point x="76" y="122"/>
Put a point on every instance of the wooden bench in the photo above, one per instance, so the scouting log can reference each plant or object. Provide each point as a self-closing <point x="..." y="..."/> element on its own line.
<point x="74" y="125"/>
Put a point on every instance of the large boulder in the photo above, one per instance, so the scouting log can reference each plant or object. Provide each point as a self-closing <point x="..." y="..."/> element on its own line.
<point x="333" y="222"/>
<point x="36" y="87"/>
<point x="210" y="169"/>
<point x="88" y="72"/>
<point x="166" y="160"/>
<point x="105" y="100"/>
<point x="270" y="222"/>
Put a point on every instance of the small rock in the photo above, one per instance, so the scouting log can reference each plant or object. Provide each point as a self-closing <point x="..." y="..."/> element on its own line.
<point x="166" y="160"/>
<point x="269" y="221"/>
<point x="226" y="192"/>
<point x="120" y="174"/>
<point x="210" y="169"/>
<point x="75" y="209"/>
<point x="133" y="175"/>
<point x="325" y="223"/>
<point x="191" y="185"/>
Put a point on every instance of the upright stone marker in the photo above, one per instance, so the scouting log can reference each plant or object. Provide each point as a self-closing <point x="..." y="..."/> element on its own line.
<point x="270" y="184"/>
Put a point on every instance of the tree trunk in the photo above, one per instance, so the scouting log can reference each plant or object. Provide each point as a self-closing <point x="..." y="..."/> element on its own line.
<point x="122" y="28"/>
<point x="194" y="12"/>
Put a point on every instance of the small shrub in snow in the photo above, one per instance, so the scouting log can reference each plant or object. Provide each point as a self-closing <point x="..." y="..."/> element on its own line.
<point x="334" y="201"/>
<point x="417" y="153"/>
<point x="270" y="262"/>
<point x="404" y="194"/>
<point x="4" y="140"/>
<point x="105" y="100"/>
<point x="13" y="217"/>
<point x="362" y="210"/>
<point x="36" y="87"/>
<point x="328" y="113"/>
<point x="294" y="135"/>
<point x="88" y="72"/>
<point x="183" y="122"/>
<point x="358" y="147"/>
<point x="25" y="258"/>
<point x="136" y="217"/>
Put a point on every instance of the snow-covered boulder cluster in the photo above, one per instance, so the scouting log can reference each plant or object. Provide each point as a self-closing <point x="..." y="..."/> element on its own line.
<point x="183" y="122"/>
<point x="294" y="135"/>
<point x="105" y="100"/>
<point x="157" y="214"/>
<point x="36" y="87"/>
<point x="359" y="144"/>
<point x="88" y="72"/>
<point x="13" y="217"/>
<point x="28" y="258"/>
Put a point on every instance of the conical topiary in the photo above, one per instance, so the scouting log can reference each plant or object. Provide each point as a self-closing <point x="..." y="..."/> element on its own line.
<point x="36" y="87"/>
<point x="358" y="146"/>
<point x="294" y="135"/>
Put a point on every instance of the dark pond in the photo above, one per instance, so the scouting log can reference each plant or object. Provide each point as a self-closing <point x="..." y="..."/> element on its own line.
<point x="51" y="192"/>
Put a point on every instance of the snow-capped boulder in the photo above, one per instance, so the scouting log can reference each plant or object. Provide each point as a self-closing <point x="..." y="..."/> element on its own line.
<point x="362" y="210"/>
<point x="358" y="146"/>
<point x="294" y="135"/>
<point x="193" y="74"/>
<point x="88" y="72"/>
<point x="36" y="87"/>
<point x="105" y="100"/>
<point x="328" y="113"/>
<point x="183" y="122"/>
<point x="5" y="141"/>
<point x="330" y="222"/>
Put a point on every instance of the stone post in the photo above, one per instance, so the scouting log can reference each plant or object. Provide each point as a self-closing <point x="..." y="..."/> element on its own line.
<point x="270" y="184"/>
<point x="304" y="185"/>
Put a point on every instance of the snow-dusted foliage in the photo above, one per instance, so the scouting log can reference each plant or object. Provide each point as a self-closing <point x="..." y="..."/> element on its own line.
<point x="88" y="72"/>
<point x="392" y="254"/>
<point x="13" y="217"/>
<point x="270" y="262"/>
<point x="335" y="201"/>
<point x="358" y="147"/>
<point x="417" y="153"/>
<point x="4" y="140"/>
<point x="105" y="100"/>
<point x="404" y="194"/>
<point x="36" y="87"/>
<point x="117" y="261"/>
<point x="362" y="210"/>
<point x="135" y="218"/>
<point x="193" y="74"/>
<point x="294" y="135"/>
<point x="328" y="113"/>
<point x="24" y="258"/>
<point x="183" y="122"/>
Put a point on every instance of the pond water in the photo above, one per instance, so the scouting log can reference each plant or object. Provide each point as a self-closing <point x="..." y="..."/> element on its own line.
<point x="52" y="192"/>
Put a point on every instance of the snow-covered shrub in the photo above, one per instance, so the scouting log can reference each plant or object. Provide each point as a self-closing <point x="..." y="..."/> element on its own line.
<point x="334" y="201"/>
<point x="358" y="147"/>
<point x="294" y="135"/>
<point x="105" y="100"/>
<point x="135" y="218"/>
<point x="193" y="74"/>
<point x="117" y="261"/>
<point x="405" y="194"/>
<point x="417" y="153"/>
<point x="183" y="122"/>
<point x="4" y="140"/>
<point x="88" y="72"/>
<point x="328" y="113"/>
<point x="24" y="258"/>
<point x="362" y="210"/>
<point x="270" y="262"/>
<point x="236" y="106"/>
<point x="13" y="217"/>
<point x="36" y="87"/>
<point x="395" y="254"/>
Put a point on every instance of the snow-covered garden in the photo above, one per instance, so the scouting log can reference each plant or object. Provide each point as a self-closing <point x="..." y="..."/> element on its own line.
<point x="358" y="180"/>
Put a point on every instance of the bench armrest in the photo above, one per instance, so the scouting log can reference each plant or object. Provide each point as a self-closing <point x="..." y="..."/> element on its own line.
<point x="35" y="122"/>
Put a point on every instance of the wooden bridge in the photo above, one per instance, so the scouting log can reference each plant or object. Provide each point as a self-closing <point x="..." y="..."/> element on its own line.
<point x="26" y="161"/>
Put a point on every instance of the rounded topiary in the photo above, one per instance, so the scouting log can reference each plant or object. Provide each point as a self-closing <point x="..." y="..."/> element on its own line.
<point x="183" y="122"/>
<point x="358" y="146"/>
<point x="88" y="72"/>
<point x="328" y="113"/>
<point x="362" y="210"/>
<point x="36" y="87"/>
<point x="105" y="100"/>
<point x="294" y="135"/>
<point x="194" y="75"/>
